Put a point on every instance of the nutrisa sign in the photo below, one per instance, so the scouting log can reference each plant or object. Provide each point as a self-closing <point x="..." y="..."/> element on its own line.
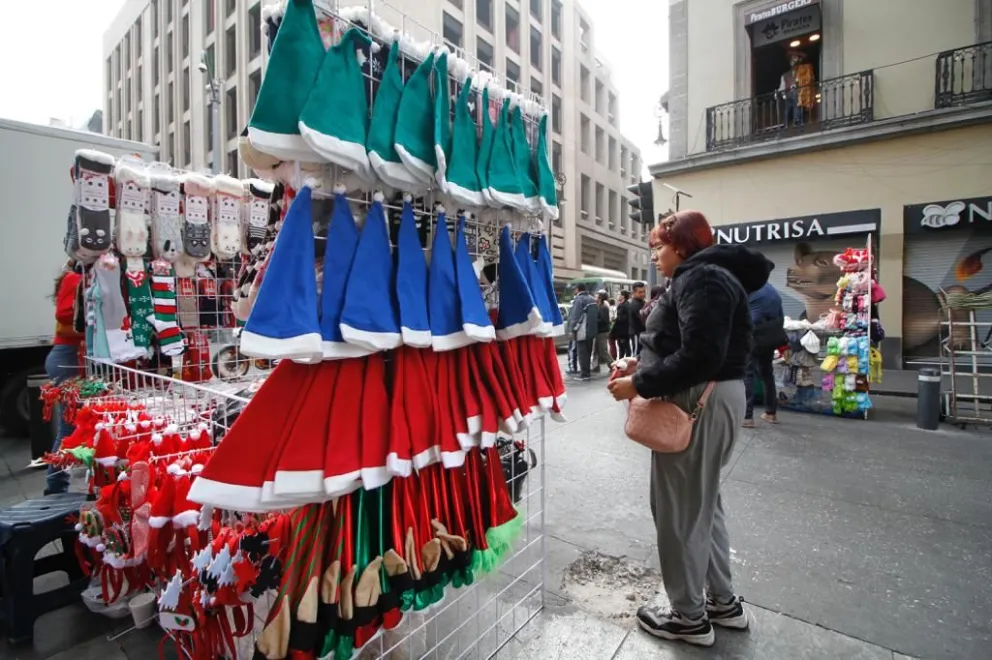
<point x="805" y="228"/>
<point x="948" y="215"/>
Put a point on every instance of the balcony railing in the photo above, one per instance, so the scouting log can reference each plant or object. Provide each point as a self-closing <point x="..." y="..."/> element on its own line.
<point x="828" y="104"/>
<point x="964" y="75"/>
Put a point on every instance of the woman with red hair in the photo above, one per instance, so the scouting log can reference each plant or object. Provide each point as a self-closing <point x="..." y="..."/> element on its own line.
<point x="699" y="332"/>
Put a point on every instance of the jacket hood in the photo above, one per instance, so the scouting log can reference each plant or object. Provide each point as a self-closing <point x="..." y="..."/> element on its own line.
<point x="749" y="267"/>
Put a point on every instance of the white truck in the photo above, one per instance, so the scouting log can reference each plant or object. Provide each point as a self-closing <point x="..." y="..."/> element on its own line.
<point x="36" y="192"/>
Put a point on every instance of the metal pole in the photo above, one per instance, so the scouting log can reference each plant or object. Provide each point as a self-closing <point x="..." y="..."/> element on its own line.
<point x="215" y="124"/>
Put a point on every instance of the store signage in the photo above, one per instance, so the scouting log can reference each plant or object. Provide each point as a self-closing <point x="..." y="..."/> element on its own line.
<point x="807" y="228"/>
<point x="785" y="27"/>
<point x="950" y="214"/>
<point x="778" y="9"/>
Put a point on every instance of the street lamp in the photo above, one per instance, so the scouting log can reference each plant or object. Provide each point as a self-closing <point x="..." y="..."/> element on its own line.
<point x="660" y="111"/>
<point x="213" y="100"/>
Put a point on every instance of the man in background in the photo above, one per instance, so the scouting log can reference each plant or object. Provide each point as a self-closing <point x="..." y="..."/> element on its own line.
<point x="767" y="319"/>
<point x="636" y="326"/>
<point x="621" y="327"/>
<point x="583" y="318"/>
<point x="601" y="349"/>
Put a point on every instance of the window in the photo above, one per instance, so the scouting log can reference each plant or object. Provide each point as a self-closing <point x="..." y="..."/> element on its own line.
<point x="254" y="31"/>
<point x="126" y="52"/>
<point x="209" y="123"/>
<point x="254" y="84"/>
<point x="169" y="52"/>
<point x="484" y="51"/>
<point x="556" y="66"/>
<point x="170" y="146"/>
<point x="457" y="3"/>
<point x="512" y="72"/>
<point x="484" y="13"/>
<point x="584" y="35"/>
<point x="513" y="29"/>
<point x="556" y="113"/>
<point x="154" y="65"/>
<point x="537" y="9"/>
<point x="170" y="99"/>
<point x="599" y="98"/>
<point x="599" y="203"/>
<point x="208" y="57"/>
<point x="232" y="162"/>
<point x="187" y="154"/>
<point x="612" y="154"/>
<point x="137" y="38"/>
<point x="623" y="160"/>
<point x="231" y="110"/>
<point x="110" y="73"/>
<point x="168" y="10"/>
<point x="154" y="17"/>
<point x="556" y="18"/>
<point x="230" y="52"/>
<point x="127" y="135"/>
<point x="600" y="146"/>
<point x="231" y="6"/>
<point x="585" y="192"/>
<point x="556" y="157"/>
<point x="187" y="90"/>
<point x="156" y="117"/>
<point x="184" y="36"/>
<point x="209" y="16"/>
<point x="584" y="134"/>
<point x="536" y="87"/>
<point x="137" y="83"/>
<point x="452" y="30"/>
<point x="611" y="108"/>
<point x="584" y="84"/>
<point x="535" y="48"/>
<point x="612" y="211"/>
<point x="141" y="127"/>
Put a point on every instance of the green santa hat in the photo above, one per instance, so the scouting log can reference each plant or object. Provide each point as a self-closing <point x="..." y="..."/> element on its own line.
<point x="523" y="161"/>
<point x="546" y="185"/>
<point x="293" y="66"/>
<point x="442" y="119"/>
<point x="462" y="174"/>
<point x="414" y="137"/>
<point x="485" y="144"/>
<point x="382" y="154"/>
<point x="504" y="181"/>
<point x="334" y="121"/>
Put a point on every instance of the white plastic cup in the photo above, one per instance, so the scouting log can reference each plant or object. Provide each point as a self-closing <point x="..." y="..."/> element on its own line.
<point x="142" y="609"/>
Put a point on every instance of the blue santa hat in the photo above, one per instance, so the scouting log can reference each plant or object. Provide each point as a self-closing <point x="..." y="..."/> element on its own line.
<point x="443" y="305"/>
<point x="411" y="281"/>
<point x="369" y="319"/>
<point x="546" y="275"/>
<point x="518" y="315"/>
<point x="339" y="255"/>
<point x="283" y="322"/>
<point x="475" y="317"/>
<point x="529" y="269"/>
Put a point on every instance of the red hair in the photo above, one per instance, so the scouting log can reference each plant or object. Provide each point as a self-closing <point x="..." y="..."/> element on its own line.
<point x="686" y="231"/>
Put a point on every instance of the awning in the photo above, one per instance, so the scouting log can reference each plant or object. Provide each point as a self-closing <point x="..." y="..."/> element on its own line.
<point x="783" y="20"/>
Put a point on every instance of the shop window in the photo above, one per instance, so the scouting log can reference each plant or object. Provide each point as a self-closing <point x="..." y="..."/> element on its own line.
<point x="556" y="66"/>
<point x="513" y="29"/>
<point x="484" y="51"/>
<point x="484" y="13"/>
<point x="255" y="31"/>
<point x="452" y="29"/>
<point x="536" y="51"/>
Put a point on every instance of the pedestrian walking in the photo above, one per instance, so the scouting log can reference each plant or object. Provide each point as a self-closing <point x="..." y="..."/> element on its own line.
<point x="583" y="318"/>
<point x="768" y="320"/>
<point x="698" y="333"/>
<point x="638" y="299"/>
<point x="601" y="350"/>
<point x="620" y="332"/>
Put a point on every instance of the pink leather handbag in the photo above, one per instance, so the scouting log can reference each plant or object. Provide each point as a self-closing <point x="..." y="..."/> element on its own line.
<point x="661" y="425"/>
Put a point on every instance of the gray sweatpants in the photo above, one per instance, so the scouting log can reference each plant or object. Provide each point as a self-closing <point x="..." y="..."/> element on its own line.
<point x="693" y="544"/>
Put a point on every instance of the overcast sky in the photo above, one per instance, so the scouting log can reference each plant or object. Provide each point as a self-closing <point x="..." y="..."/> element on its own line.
<point x="53" y="60"/>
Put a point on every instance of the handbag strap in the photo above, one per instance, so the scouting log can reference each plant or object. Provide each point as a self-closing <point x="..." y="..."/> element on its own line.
<point x="703" y="398"/>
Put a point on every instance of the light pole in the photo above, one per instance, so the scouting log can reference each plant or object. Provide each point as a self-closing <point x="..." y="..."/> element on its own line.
<point x="213" y="100"/>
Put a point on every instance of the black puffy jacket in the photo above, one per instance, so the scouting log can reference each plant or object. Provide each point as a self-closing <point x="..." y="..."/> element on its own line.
<point x="700" y="330"/>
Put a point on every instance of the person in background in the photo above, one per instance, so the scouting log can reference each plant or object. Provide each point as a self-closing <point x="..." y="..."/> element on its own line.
<point x="768" y="319"/>
<point x="636" y="324"/>
<point x="602" y="346"/>
<point x="613" y="319"/>
<point x="62" y="362"/>
<point x="656" y="292"/>
<point x="582" y="322"/>
<point x="698" y="333"/>
<point x="621" y="327"/>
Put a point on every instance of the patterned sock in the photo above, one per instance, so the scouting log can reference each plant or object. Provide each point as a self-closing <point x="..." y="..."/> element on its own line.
<point x="163" y="288"/>
<point x="139" y="296"/>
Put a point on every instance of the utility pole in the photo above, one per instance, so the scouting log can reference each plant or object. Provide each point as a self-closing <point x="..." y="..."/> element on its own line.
<point x="214" y="86"/>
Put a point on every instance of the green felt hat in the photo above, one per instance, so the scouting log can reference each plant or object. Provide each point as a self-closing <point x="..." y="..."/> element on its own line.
<point x="442" y="119"/>
<point x="523" y="161"/>
<point x="485" y="149"/>
<point x="546" y="185"/>
<point x="385" y="161"/>
<point x="414" y="135"/>
<point x="504" y="181"/>
<point x="464" y="186"/>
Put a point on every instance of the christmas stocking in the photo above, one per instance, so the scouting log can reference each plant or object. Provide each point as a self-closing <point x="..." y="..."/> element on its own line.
<point x="225" y="236"/>
<point x="188" y="310"/>
<point x="116" y="322"/>
<point x="132" y="193"/>
<point x="196" y="366"/>
<point x="167" y="237"/>
<point x="139" y="295"/>
<point x="93" y="185"/>
<point x="163" y="319"/>
<point x="197" y="193"/>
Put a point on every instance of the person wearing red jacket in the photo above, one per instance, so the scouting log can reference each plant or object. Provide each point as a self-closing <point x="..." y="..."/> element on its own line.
<point x="62" y="362"/>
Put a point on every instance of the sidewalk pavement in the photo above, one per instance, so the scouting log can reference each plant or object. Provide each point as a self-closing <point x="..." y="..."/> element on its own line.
<point x="851" y="539"/>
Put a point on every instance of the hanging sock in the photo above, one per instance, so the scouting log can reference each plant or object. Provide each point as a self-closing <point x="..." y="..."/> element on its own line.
<point x="255" y="221"/>
<point x="547" y="187"/>
<point x="369" y="318"/>
<point x="334" y="122"/>
<point x="132" y="197"/>
<point x="292" y="68"/>
<point x="411" y="281"/>
<point x="163" y="287"/>
<point x="283" y="322"/>
<point x="442" y="120"/>
<point x="414" y="137"/>
<point x="504" y="180"/>
<point x="94" y="190"/>
<point x="462" y="178"/>
<point x="382" y="128"/>
<point x="475" y="319"/>
<point x="167" y="234"/>
<point x="523" y="162"/>
<point x="518" y="315"/>
<point x="198" y="193"/>
<point x="225" y="234"/>
<point x="139" y="299"/>
<point x="114" y="313"/>
<point x="485" y="149"/>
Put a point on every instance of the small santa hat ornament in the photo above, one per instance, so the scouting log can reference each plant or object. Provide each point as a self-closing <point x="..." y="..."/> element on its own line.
<point x="442" y="119"/>
<point x="463" y="183"/>
<point x="334" y="122"/>
<point x="186" y="514"/>
<point x="105" y="457"/>
<point x="447" y="333"/>
<point x="474" y="316"/>
<point x="369" y="318"/>
<point x="523" y="161"/>
<point x="504" y="181"/>
<point x="283" y="323"/>
<point x="339" y="256"/>
<point x="293" y="66"/>
<point x="382" y="127"/>
<point x="414" y="136"/>
<point x="518" y="315"/>
<point x="547" y="186"/>
<point x="411" y="281"/>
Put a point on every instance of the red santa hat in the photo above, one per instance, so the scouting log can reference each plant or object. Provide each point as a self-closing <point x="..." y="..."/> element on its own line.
<point x="399" y="459"/>
<point x="375" y="424"/>
<point x="422" y="403"/>
<point x="343" y="453"/>
<point x="160" y="530"/>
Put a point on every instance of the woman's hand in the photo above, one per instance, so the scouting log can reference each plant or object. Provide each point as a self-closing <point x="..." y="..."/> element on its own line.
<point x="622" y="389"/>
<point x="625" y="366"/>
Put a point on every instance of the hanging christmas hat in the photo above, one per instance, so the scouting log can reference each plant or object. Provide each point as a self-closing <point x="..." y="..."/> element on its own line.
<point x="283" y="323"/>
<point x="547" y="187"/>
<point x="523" y="162"/>
<point x="474" y="316"/>
<point x="504" y="181"/>
<point x="518" y="315"/>
<point x="369" y="318"/>
<point x="293" y="65"/>
<point x="161" y="532"/>
<point x="343" y="449"/>
<point x="339" y="255"/>
<point x="462" y="177"/>
<point x="528" y="267"/>
<point x="382" y="128"/>
<point x="442" y="119"/>
<point x="411" y="281"/>
<point x="450" y="419"/>
<point x="375" y="424"/>
<point x="175" y="606"/>
<point x="485" y="149"/>
<point x="334" y="122"/>
<point x="447" y="333"/>
<point x="422" y="404"/>
<point x="546" y="283"/>
<point x="252" y="157"/>
<point x="414" y="136"/>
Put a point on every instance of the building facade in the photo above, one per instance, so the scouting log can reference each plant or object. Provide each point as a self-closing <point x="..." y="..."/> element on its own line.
<point x="156" y="93"/>
<point x="814" y="124"/>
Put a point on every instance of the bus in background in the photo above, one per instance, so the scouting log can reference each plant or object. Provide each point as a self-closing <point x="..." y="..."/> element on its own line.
<point x="598" y="279"/>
